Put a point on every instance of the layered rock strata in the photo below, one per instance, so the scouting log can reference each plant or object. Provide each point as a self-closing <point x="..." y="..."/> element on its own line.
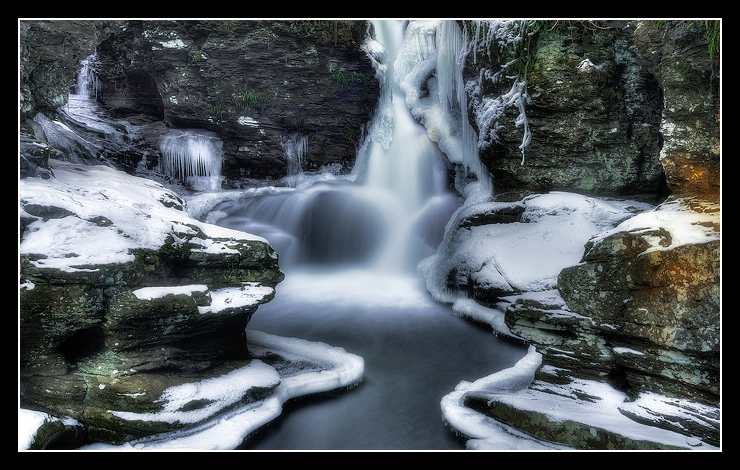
<point x="124" y="296"/>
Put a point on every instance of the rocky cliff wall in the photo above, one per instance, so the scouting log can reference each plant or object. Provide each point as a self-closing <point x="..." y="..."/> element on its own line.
<point x="256" y="83"/>
<point x="640" y="313"/>
<point x="614" y="108"/>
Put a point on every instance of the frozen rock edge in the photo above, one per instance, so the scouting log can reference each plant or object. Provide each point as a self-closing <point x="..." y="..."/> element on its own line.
<point x="323" y="368"/>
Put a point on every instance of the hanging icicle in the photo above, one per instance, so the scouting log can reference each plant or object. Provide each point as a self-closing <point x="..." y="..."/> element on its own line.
<point x="187" y="153"/>
<point x="296" y="147"/>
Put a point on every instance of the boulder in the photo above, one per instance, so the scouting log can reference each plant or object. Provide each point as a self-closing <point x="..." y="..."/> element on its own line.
<point x="652" y="286"/>
<point x="638" y="317"/>
<point x="123" y="296"/>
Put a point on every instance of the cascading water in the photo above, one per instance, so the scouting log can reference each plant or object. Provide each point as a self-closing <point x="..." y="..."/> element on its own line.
<point x="88" y="83"/>
<point x="349" y="247"/>
<point x="389" y="219"/>
<point x="85" y="131"/>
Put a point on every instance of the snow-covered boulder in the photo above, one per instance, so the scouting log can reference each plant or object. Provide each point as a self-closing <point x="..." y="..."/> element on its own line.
<point x="123" y="294"/>
<point x="653" y="285"/>
<point x="629" y="340"/>
<point x="497" y="249"/>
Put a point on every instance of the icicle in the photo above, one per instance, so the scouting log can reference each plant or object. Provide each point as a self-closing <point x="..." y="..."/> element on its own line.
<point x="296" y="147"/>
<point x="187" y="153"/>
<point x="452" y="90"/>
<point x="488" y="109"/>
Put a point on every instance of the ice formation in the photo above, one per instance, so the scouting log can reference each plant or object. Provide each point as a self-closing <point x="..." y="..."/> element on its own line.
<point x="191" y="153"/>
<point x="487" y="109"/>
<point x="296" y="147"/>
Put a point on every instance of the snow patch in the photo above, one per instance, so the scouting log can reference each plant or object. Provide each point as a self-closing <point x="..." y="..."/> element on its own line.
<point x="150" y="293"/>
<point x="251" y="293"/>
<point x="527" y="255"/>
<point x="142" y="214"/>
<point x="685" y="226"/>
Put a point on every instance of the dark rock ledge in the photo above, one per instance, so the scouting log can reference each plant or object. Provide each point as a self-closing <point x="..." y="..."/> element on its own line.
<point x="123" y="296"/>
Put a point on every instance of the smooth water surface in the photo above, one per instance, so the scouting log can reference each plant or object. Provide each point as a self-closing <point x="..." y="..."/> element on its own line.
<point x="415" y="351"/>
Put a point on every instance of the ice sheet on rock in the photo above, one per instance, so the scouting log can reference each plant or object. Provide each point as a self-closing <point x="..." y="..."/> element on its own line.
<point x="220" y="393"/>
<point x="234" y="297"/>
<point x="562" y="402"/>
<point x="231" y="428"/>
<point x="469" y="308"/>
<point x="29" y="422"/>
<point x="485" y="432"/>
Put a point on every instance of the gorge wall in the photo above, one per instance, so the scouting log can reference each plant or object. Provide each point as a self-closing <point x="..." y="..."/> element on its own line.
<point x="256" y="83"/>
<point x="625" y="110"/>
<point x="612" y="108"/>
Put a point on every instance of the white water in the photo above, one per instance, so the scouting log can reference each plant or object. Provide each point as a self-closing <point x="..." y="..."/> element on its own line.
<point x="349" y="249"/>
<point x="87" y="84"/>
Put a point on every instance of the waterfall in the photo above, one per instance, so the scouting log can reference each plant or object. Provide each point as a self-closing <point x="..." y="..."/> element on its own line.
<point x="428" y="69"/>
<point x="192" y="155"/>
<point x="404" y="160"/>
<point x="392" y="212"/>
<point x="88" y="84"/>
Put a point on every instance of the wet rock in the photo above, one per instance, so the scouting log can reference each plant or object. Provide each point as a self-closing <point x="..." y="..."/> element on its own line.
<point x="641" y="121"/>
<point x="657" y="296"/>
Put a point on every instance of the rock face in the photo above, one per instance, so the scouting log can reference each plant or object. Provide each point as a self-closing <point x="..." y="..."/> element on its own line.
<point x="658" y="298"/>
<point x="258" y="84"/>
<point x="50" y="55"/>
<point x="678" y="54"/>
<point x="613" y="108"/>
<point x="640" y="311"/>
<point x="124" y="296"/>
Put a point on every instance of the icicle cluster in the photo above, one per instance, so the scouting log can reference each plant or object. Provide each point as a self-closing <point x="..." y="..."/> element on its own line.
<point x="453" y="92"/>
<point x="429" y="71"/>
<point x="296" y="147"/>
<point x="488" y="110"/>
<point x="187" y="153"/>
